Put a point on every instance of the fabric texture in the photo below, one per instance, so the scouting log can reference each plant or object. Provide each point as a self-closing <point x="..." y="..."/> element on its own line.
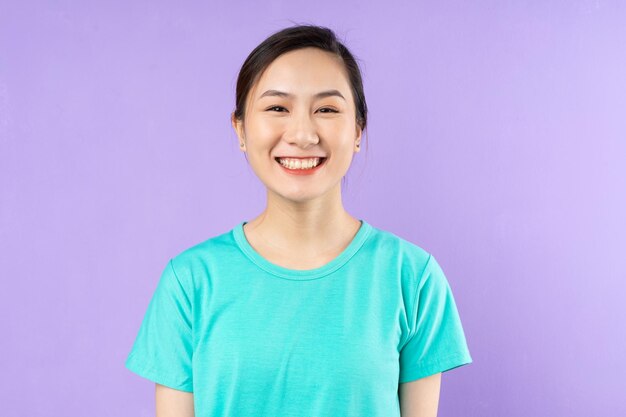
<point x="252" y="338"/>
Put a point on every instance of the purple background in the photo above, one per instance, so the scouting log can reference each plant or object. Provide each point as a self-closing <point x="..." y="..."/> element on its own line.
<point x="497" y="141"/>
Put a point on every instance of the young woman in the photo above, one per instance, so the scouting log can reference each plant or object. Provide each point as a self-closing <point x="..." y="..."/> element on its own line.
<point x="303" y="310"/>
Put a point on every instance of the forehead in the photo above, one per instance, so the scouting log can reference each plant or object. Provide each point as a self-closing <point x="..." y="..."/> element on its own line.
<point x="304" y="71"/>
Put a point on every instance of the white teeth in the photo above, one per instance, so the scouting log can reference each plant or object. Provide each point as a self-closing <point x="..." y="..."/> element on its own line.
<point x="292" y="163"/>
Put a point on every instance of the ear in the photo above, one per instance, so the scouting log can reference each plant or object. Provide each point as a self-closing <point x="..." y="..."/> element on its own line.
<point x="359" y="133"/>
<point x="238" y="127"/>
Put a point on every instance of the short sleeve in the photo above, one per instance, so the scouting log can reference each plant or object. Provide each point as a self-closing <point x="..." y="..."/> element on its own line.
<point x="436" y="342"/>
<point x="163" y="349"/>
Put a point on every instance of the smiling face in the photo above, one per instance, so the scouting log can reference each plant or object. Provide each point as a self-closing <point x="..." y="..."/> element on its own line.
<point x="302" y="106"/>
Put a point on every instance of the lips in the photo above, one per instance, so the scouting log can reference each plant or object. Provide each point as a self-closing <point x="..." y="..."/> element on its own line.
<point x="322" y="159"/>
<point x="302" y="171"/>
<point x="299" y="157"/>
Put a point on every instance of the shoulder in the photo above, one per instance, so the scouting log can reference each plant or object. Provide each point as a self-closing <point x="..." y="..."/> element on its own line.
<point x="196" y="261"/>
<point x="410" y="256"/>
<point x="212" y="247"/>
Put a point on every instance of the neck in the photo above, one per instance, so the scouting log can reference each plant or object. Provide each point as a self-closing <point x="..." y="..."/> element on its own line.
<point x="305" y="229"/>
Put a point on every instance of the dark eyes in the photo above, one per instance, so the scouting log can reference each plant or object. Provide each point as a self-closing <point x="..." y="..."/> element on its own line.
<point x="323" y="108"/>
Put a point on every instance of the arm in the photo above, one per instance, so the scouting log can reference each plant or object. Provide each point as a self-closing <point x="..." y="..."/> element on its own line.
<point x="420" y="398"/>
<point x="173" y="403"/>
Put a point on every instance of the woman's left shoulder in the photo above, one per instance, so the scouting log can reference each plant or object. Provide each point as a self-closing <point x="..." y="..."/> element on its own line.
<point x="391" y="243"/>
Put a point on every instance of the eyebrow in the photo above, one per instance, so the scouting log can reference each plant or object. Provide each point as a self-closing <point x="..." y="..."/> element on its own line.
<point x="322" y="94"/>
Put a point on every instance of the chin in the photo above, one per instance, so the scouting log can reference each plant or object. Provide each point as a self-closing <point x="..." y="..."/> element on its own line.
<point x="297" y="197"/>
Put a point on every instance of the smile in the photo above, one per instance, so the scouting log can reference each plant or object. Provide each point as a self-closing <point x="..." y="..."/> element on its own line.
<point x="300" y="166"/>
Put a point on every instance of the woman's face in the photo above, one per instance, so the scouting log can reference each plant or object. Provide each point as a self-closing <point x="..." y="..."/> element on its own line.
<point x="315" y="117"/>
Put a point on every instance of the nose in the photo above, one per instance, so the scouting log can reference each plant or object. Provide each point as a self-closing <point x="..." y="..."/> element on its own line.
<point x="302" y="130"/>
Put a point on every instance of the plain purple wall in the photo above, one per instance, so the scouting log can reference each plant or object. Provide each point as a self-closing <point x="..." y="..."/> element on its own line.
<point x="497" y="141"/>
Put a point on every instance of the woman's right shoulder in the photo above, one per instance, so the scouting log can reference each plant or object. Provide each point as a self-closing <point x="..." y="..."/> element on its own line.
<point x="212" y="251"/>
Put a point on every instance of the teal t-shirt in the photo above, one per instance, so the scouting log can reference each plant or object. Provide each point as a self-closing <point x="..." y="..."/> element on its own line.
<point x="251" y="338"/>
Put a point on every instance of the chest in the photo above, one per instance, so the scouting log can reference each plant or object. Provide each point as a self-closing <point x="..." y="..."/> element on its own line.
<point x="305" y="333"/>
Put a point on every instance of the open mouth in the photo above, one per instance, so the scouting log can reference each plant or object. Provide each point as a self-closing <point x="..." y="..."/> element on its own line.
<point x="299" y="166"/>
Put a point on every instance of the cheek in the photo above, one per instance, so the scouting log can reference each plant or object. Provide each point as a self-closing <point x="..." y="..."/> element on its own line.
<point x="336" y="131"/>
<point x="339" y="132"/>
<point x="265" y="128"/>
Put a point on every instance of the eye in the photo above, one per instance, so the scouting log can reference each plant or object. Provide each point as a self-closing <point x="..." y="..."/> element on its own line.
<point x="330" y="110"/>
<point x="275" y="107"/>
